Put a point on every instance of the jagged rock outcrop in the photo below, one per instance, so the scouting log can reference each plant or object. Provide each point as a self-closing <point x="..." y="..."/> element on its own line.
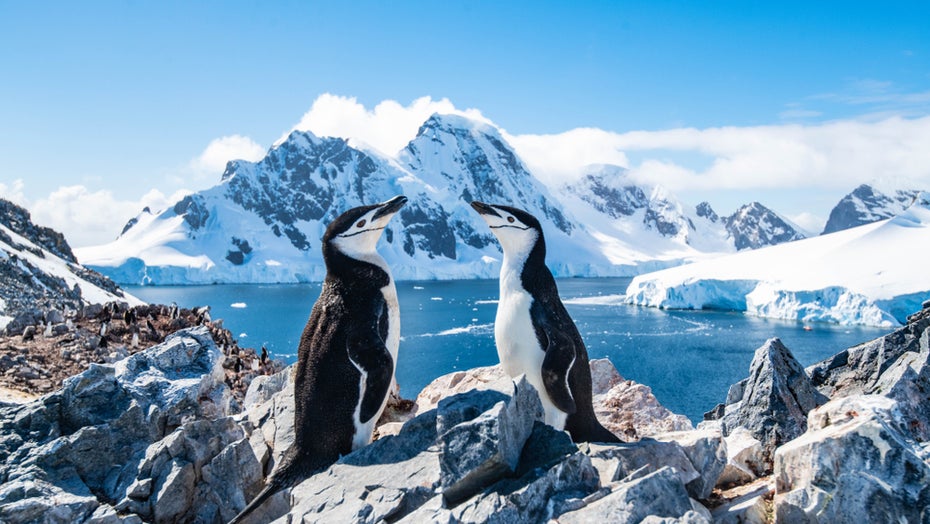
<point x="772" y="404"/>
<point x="895" y="366"/>
<point x="860" y="457"/>
<point x="856" y="463"/>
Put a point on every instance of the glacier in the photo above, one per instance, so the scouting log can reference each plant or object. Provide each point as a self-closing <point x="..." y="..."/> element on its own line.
<point x="873" y="274"/>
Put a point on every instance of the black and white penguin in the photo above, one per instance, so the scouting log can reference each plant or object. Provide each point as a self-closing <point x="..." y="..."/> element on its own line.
<point x="348" y="350"/>
<point x="534" y="333"/>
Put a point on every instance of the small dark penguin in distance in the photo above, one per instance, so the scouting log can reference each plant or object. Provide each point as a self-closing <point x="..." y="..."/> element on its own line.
<point x="534" y="333"/>
<point x="348" y="350"/>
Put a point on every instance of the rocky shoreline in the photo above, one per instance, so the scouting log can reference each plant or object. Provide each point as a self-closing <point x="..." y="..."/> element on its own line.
<point x="159" y="437"/>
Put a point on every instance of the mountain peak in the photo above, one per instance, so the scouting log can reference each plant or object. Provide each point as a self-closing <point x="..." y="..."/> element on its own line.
<point x="866" y="204"/>
<point x="450" y="123"/>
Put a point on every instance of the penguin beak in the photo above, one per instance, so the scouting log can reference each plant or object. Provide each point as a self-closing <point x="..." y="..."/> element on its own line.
<point x="390" y="207"/>
<point x="484" y="209"/>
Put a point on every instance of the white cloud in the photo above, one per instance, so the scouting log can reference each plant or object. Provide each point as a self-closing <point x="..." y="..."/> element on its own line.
<point x="14" y="193"/>
<point x="212" y="161"/>
<point x="89" y="218"/>
<point x="555" y="158"/>
<point x="387" y="128"/>
<point x="833" y="155"/>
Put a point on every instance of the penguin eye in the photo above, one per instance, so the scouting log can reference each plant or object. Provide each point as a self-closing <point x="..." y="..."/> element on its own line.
<point x="361" y="223"/>
<point x="510" y="219"/>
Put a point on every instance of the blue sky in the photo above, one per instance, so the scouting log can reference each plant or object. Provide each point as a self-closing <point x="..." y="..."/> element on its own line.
<point x="114" y="99"/>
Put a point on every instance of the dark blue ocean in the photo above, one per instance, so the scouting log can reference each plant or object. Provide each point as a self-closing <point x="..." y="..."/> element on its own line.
<point x="688" y="358"/>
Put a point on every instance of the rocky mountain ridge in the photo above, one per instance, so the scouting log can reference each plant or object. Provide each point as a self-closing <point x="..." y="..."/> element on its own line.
<point x="866" y="204"/>
<point x="39" y="272"/>
<point x="263" y="221"/>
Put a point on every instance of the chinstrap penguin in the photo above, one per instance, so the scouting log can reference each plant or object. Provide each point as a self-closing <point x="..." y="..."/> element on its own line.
<point x="348" y="350"/>
<point x="534" y="333"/>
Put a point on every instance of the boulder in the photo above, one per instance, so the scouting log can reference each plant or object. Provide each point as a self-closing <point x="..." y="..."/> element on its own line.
<point x="774" y="401"/>
<point x="855" y="463"/>
<point x="658" y="495"/>
<point x="895" y="366"/>
<point x="488" y="378"/>
<point x="630" y="411"/>
<point x="750" y="506"/>
<point x="616" y="462"/>
<point x="626" y="408"/>
<point x="707" y="450"/>
<point x="745" y="460"/>
<point x="481" y="436"/>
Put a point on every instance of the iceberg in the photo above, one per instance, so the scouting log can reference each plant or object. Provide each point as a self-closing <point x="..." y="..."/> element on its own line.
<point x="873" y="274"/>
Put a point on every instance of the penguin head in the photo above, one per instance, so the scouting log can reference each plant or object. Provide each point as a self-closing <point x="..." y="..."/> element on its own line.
<point x="356" y="232"/>
<point x="516" y="230"/>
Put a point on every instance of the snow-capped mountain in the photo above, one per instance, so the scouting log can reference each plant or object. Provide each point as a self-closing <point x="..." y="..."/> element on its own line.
<point x="38" y="270"/>
<point x="865" y="205"/>
<point x="754" y="225"/>
<point x="871" y="274"/>
<point x="263" y="221"/>
<point x="689" y="233"/>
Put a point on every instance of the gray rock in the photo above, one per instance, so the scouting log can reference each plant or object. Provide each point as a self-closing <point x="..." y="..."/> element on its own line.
<point x="86" y="441"/>
<point x="775" y="398"/>
<point x="854" y="464"/>
<point x="895" y="366"/>
<point x="630" y="460"/>
<point x="659" y="494"/>
<point x="385" y="480"/>
<point x="745" y="461"/>
<point x="748" y="508"/>
<point x="553" y="477"/>
<point x="707" y="451"/>
<point x="478" y="447"/>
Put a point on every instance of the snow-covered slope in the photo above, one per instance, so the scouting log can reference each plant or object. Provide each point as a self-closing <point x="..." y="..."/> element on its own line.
<point x="873" y="274"/>
<point x="38" y="270"/>
<point x="263" y="222"/>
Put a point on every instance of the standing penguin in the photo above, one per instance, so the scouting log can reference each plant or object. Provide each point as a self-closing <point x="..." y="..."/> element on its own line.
<point x="533" y="331"/>
<point x="348" y="350"/>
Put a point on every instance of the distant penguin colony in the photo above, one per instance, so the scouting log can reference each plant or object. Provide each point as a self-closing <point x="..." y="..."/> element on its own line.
<point x="533" y="332"/>
<point x="348" y="350"/>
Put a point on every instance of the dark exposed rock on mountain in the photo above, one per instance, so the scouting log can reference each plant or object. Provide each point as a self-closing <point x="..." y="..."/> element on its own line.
<point x="38" y="271"/>
<point x="754" y="225"/>
<point x="865" y="205"/>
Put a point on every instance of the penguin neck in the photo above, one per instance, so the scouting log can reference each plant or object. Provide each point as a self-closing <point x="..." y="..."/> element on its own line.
<point x="368" y="269"/>
<point x="521" y="269"/>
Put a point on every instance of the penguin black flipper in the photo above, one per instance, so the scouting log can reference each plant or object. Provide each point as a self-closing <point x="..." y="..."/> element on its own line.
<point x="372" y="358"/>
<point x="556" y="370"/>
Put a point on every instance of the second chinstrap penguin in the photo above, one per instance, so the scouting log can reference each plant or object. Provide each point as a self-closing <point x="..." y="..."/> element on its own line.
<point x="534" y="333"/>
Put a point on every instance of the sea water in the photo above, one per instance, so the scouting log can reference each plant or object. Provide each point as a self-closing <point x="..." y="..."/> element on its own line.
<point x="688" y="358"/>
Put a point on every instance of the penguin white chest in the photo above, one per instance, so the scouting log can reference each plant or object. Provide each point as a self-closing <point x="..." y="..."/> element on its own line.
<point x="517" y="346"/>
<point x="515" y="336"/>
